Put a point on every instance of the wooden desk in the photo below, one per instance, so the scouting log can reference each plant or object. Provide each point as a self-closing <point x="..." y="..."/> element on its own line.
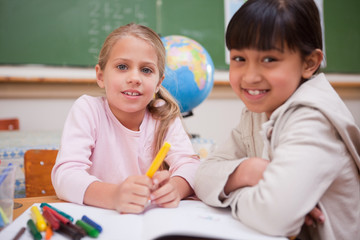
<point x="27" y="202"/>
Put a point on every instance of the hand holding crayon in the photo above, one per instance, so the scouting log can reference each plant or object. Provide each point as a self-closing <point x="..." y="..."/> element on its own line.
<point x="158" y="160"/>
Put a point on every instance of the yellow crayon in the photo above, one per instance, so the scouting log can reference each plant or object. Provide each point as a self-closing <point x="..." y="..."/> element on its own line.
<point x="158" y="160"/>
<point x="38" y="219"/>
<point x="3" y="216"/>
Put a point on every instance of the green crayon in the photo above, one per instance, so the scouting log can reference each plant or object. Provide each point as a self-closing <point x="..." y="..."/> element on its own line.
<point x="33" y="230"/>
<point x="91" y="231"/>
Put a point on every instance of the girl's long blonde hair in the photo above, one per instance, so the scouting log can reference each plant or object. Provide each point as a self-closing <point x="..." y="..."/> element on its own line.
<point x="163" y="107"/>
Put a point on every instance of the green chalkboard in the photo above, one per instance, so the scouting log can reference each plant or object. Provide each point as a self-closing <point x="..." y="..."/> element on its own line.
<point x="342" y="36"/>
<point x="65" y="32"/>
<point x="71" y="32"/>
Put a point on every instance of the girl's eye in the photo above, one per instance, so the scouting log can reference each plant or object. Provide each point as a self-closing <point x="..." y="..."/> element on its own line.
<point x="147" y="70"/>
<point x="269" y="59"/>
<point x="238" y="59"/>
<point x="122" y="67"/>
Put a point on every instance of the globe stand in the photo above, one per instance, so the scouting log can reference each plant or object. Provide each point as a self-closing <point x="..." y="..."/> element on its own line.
<point x="187" y="114"/>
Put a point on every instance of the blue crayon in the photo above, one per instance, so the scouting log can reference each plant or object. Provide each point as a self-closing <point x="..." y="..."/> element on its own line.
<point x="92" y="223"/>
<point x="2" y="224"/>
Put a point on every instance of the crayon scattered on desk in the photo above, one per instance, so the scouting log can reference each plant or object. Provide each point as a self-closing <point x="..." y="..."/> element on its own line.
<point x="2" y="224"/>
<point x="69" y="231"/>
<point x="91" y="231"/>
<point x="48" y="233"/>
<point x="4" y="219"/>
<point x="61" y="218"/>
<point x="51" y="219"/>
<point x="19" y="233"/>
<point x="38" y="219"/>
<point x="77" y="228"/>
<point x="33" y="230"/>
<point x="92" y="223"/>
<point x="57" y="210"/>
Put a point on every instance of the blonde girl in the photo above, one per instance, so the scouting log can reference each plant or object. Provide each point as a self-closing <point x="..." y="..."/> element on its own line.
<point x="109" y="142"/>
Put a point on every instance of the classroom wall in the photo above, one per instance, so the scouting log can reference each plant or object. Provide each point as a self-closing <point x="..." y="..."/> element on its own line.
<point x="213" y="119"/>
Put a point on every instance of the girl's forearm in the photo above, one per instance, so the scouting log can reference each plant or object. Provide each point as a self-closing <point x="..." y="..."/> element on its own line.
<point x="236" y="180"/>
<point x="248" y="173"/>
<point x="100" y="194"/>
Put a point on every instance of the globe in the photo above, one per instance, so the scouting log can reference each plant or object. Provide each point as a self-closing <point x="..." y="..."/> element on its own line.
<point x="189" y="72"/>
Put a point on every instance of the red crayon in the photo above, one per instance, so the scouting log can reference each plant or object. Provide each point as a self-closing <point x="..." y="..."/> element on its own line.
<point x="60" y="217"/>
<point x="51" y="219"/>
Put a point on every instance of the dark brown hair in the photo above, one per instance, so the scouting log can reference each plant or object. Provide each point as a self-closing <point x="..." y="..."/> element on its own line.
<point x="264" y="24"/>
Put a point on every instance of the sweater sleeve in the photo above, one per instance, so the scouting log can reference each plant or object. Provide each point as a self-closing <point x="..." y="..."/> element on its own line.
<point x="307" y="155"/>
<point x="70" y="175"/>
<point x="213" y="173"/>
<point x="181" y="158"/>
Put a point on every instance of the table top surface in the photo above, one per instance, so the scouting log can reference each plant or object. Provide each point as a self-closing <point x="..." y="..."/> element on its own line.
<point x="21" y="204"/>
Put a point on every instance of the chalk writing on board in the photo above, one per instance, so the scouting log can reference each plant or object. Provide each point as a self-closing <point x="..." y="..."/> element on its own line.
<point x="106" y="16"/>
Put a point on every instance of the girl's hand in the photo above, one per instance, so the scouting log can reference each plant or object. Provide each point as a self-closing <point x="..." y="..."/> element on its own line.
<point x="165" y="192"/>
<point x="315" y="216"/>
<point x="132" y="195"/>
<point x="255" y="168"/>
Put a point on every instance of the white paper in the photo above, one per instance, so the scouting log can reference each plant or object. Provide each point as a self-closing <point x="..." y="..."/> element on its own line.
<point x="191" y="218"/>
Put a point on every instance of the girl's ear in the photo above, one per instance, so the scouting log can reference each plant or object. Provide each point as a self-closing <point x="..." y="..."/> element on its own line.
<point x="99" y="76"/>
<point x="159" y="83"/>
<point x="312" y="63"/>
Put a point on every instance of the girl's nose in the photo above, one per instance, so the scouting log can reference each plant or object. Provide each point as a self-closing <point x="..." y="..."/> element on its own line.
<point x="134" y="77"/>
<point x="251" y="74"/>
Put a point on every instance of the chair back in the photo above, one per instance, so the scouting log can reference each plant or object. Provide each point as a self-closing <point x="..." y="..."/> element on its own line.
<point x="9" y="124"/>
<point x="38" y="164"/>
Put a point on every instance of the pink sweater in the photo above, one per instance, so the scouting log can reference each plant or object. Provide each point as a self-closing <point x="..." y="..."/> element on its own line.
<point x="95" y="146"/>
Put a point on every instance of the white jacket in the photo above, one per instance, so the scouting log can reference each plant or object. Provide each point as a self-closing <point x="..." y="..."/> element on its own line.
<point x="314" y="146"/>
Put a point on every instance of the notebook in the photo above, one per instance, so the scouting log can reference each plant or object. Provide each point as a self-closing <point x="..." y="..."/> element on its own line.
<point x="190" y="219"/>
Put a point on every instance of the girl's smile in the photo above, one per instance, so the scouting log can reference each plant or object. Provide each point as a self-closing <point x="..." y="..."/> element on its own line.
<point x="132" y="93"/>
<point x="254" y="94"/>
